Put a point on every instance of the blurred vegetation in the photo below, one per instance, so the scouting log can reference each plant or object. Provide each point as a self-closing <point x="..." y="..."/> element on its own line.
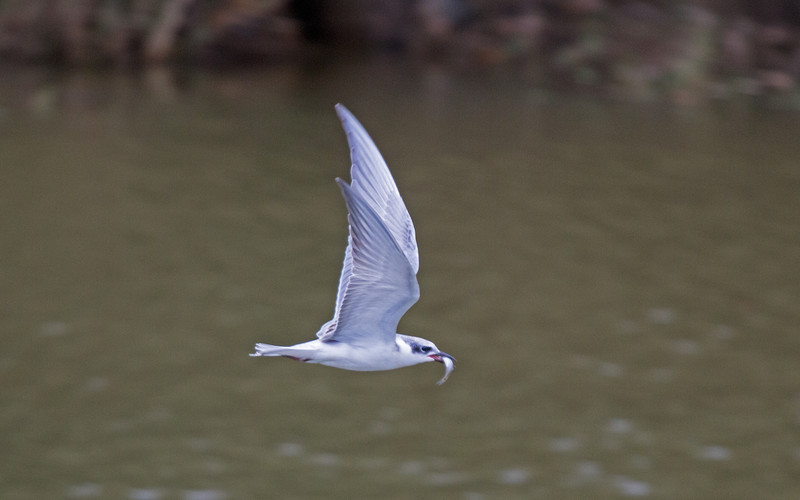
<point x="685" y="49"/>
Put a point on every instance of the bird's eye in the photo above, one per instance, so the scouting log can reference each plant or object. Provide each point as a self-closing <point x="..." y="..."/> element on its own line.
<point x="424" y="349"/>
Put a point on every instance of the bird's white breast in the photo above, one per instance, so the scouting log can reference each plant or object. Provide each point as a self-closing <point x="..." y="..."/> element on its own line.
<point x="358" y="358"/>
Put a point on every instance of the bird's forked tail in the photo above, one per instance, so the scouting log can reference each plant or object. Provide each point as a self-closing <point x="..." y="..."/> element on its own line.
<point x="293" y="352"/>
<point x="268" y="350"/>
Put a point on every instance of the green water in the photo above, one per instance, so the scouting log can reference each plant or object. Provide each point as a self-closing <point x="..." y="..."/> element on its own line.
<point x="619" y="283"/>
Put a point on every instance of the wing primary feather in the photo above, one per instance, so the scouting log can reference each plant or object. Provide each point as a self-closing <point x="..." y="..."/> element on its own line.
<point x="372" y="180"/>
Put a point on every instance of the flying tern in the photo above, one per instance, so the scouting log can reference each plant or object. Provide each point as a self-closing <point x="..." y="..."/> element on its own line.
<point x="378" y="283"/>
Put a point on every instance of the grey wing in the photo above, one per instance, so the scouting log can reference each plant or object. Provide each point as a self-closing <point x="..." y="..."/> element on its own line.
<point x="374" y="202"/>
<point x="373" y="182"/>
<point x="378" y="284"/>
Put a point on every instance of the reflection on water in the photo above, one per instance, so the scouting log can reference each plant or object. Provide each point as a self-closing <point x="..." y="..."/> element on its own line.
<point x="619" y="283"/>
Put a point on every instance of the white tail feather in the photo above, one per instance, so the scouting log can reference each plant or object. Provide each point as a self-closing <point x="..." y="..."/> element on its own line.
<point x="269" y="350"/>
<point x="300" y="352"/>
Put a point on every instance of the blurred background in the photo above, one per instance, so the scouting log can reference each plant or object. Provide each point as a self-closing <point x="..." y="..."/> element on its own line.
<point x="606" y="202"/>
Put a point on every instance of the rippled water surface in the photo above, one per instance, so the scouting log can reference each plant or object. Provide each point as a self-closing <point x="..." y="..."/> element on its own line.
<point x="619" y="282"/>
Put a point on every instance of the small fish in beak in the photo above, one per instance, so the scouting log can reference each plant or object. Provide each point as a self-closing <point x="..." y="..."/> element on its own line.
<point x="448" y="362"/>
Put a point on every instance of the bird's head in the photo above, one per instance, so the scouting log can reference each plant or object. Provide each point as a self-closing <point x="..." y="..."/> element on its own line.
<point x="424" y="351"/>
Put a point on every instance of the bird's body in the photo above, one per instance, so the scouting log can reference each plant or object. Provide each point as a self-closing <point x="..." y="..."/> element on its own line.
<point x="378" y="283"/>
<point x="348" y="356"/>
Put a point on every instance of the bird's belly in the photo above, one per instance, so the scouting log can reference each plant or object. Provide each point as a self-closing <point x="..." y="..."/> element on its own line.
<point x="349" y="357"/>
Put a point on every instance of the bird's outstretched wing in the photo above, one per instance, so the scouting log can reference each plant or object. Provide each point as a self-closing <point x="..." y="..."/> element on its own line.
<point x="378" y="283"/>
<point x="371" y="179"/>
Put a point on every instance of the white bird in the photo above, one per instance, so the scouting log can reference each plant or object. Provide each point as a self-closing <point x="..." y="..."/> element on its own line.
<point x="378" y="283"/>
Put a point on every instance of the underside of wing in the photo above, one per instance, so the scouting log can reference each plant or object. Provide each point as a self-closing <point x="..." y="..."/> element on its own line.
<point x="372" y="182"/>
<point x="378" y="284"/>
<point x="378" y="281"/>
